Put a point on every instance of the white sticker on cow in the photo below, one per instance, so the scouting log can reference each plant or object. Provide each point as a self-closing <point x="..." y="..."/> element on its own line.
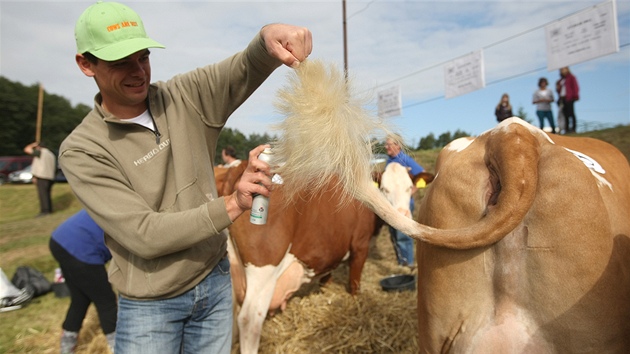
<point x="593" y="166"/>
<point x="588" y="161"/>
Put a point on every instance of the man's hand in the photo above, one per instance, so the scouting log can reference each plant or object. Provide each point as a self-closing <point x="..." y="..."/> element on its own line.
<point x="31" y="147"/>
<point x="290" y="44"/>
<point x="256" y="179"/>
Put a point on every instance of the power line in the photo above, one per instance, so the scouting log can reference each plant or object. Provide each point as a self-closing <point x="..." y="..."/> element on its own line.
<point x="489" y="83"/>
<point x="485" y="47"/>
<point x="363" y="9"/>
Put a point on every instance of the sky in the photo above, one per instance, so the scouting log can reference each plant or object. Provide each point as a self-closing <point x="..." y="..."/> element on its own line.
<point x="389" y="43"/>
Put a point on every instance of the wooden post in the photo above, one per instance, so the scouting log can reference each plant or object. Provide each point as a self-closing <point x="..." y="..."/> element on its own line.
<point x="345" y="41"/>
<point x="40" y="104"/>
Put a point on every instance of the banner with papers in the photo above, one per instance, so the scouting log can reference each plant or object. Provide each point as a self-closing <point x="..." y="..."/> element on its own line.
<point x="583" y="36"/>
<point x="464" y="75"/>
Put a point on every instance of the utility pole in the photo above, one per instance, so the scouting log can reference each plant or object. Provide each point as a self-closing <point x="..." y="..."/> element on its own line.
<point x="40" y="104"/>
<point x="345" y="42"/>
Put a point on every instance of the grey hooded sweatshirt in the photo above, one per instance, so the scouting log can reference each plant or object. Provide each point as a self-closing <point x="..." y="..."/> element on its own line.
<point x="153" y="192"/>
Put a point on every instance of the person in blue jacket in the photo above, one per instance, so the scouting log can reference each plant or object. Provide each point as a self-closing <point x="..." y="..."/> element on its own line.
<point x="79" y="247"/>
<point x="403" y="244"/>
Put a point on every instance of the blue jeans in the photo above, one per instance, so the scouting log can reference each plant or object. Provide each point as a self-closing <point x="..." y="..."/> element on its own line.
<point x="541" y="118"/>
<point x="198" y="321"/>
<point x="403" y="245"/>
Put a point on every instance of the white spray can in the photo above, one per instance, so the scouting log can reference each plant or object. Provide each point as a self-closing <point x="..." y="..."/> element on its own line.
<point x="260" y="204"/>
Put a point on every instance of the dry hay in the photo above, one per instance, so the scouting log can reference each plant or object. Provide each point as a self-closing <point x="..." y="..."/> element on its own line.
<point x="327" y="319"/>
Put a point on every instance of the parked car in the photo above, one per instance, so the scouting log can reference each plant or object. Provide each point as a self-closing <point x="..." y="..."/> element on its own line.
<point x="10" y="164"/>
<point x="25" y="176"/>
<point x="21" y="176"/>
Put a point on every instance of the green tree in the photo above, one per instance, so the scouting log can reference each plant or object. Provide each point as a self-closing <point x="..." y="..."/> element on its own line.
<point x="234" y="138"/>
<point x="444" y="139"/>
<point x="427" y="143"/>
<point x="18" y="117"/>
<point x="523" y="115"/>
<point x="243" y="145"/>
<point x="460" y="134"/>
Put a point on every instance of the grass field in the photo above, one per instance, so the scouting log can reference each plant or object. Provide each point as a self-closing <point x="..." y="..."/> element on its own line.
<point x="36" y="327"/>
<point x="24" y="241"/>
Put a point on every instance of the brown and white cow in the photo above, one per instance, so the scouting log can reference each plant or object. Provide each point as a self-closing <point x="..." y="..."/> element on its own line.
<point x="531" y="251"/>
<point x="303" y="239"/>
<point x="539" y="257"/>
<point x="525" y="245"/>
<point x="525" y="236"/>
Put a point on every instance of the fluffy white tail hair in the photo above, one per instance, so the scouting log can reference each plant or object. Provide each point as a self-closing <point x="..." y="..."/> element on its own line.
<point x="326" y="134"/>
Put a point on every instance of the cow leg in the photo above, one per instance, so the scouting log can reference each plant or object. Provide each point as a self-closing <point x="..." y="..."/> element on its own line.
<point x="358" y="255"/>
<point x="325" y="279"/>
<point x="237" y="273"/>
<point x="263" y="294"/>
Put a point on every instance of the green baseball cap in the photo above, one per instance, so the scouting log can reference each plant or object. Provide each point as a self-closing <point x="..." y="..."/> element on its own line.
<point x="111" y="31"/>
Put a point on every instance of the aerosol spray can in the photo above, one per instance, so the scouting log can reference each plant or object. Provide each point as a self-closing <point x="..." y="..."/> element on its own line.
<point x="260" y="204"/>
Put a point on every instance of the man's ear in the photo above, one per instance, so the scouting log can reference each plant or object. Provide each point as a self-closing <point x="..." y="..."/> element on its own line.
<point x="85" y="65"/>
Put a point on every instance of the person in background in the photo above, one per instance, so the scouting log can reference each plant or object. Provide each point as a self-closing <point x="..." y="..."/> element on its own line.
<point x="44" y="170"/>
<point x="141" y="162"/>
<point x="543" y="97"/>
<point x="568" y="92"/>
<point x="229" y="157"/>
<point x="403" y="244"/>
<point x="78" y="246"/>
<point x="562" y="122"/>
<point x="504" y="108"/>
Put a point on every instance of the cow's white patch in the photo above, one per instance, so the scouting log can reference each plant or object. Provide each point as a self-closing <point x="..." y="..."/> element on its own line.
<point x="512" y="330"/>
<point x="346" y="257"/>
<point x="397" y="187"/>
<point x="460" y="144"/>
<point x="516" y="120"/>
<point x="262" y="285"/>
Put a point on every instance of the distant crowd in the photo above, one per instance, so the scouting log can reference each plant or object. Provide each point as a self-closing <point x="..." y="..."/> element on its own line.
<point x="568" y="92"/>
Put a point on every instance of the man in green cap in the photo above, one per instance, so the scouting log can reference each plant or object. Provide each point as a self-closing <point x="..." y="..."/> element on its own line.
<point x="141" y="164"/>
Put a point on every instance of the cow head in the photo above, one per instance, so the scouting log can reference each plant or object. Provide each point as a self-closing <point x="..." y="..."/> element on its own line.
<point x="397" y="187"/>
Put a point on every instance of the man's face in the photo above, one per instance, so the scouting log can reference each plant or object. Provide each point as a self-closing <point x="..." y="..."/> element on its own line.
<point x="123" y="83"/>
<point x="391" y="148"/>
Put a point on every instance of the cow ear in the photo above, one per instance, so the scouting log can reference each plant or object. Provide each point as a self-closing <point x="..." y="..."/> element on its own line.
<point x="376" y="177"/>
<point x="426" y="176"/>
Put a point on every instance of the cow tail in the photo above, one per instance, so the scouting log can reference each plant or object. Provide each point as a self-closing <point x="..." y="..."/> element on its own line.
<point x="511" y="156"/>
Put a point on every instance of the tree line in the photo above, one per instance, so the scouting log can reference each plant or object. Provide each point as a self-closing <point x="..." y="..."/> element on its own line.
<point x="18" y="119"/>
